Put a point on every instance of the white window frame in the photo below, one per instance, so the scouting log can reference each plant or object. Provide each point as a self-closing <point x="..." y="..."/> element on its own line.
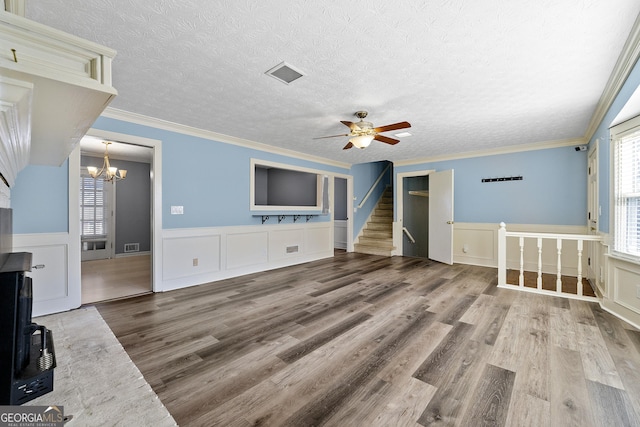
<point x="619" y="133"/>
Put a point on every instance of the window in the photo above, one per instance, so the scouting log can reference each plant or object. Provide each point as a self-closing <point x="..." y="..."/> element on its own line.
<point x="626" y="158"/>
<point x="92" y="207"/>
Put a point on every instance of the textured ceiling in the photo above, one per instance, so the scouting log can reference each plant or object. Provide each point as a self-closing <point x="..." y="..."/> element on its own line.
<point x="468" y="75"/>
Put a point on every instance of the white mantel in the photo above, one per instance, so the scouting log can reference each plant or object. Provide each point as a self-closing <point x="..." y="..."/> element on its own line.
<point x="69" y="79"/>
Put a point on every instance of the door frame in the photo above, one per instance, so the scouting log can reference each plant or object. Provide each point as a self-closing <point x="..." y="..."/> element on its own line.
<point x="399" y="208"/>
<point x="350" y="213"/>
<point x="156" y="204"/>
<point x="593" y="210"/>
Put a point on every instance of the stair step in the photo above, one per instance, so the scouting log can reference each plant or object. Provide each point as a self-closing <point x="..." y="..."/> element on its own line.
<point x="377" y="219"/>
<point x="377" y="236"/>
<point x="379" y="226"/>
<point x="380" y="234"/>
<point x="372" y="250"/>
<point x="373" y="241"/>
<point x="383" y="211"/>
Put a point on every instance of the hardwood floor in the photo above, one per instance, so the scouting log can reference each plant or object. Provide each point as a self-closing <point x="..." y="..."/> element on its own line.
<point x="362" y="340"/>
<point x="107" y="279"/>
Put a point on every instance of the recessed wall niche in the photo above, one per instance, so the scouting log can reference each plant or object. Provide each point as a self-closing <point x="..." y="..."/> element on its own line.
<point x="278" y="187"/>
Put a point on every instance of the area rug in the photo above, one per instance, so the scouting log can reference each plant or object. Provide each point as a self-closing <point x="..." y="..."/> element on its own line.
<point x="95" y="380"/>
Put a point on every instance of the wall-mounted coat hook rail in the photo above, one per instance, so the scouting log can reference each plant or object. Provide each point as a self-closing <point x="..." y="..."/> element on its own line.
<point x="280" y="218"/>
<point x="295" y="218"/>
<point x="504" y="178"/>
<point x="309" y="217"/>
<point x="265" y="218"/>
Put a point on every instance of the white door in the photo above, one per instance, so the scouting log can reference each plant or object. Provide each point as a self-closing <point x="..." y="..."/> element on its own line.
<point x="441" y="216"/>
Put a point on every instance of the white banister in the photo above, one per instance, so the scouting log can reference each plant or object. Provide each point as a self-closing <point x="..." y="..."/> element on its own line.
<point x="373" y="186"/>
<point x="559" y="274"/>
<point x="580" y="267"/>
<point x="502" y="254"/>
<point x="539" y="281"/>
<point x="521" y="276"/>
<point x="545" y="269"/>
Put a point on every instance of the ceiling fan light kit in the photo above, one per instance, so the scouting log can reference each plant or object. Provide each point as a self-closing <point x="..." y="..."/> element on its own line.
<point x="362" y="133"/>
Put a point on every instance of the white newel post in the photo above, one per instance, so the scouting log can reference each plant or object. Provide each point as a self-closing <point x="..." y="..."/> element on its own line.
<point x="502" y="254"/>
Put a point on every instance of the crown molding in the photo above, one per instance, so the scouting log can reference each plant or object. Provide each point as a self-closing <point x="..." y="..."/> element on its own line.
<point x="621" y="70"/>
<point x="114" y="113"/>
<point x="496" y="151"/>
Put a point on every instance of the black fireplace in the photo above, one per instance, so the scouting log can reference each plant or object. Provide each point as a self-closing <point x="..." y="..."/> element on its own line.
<point x="27" y="356"/>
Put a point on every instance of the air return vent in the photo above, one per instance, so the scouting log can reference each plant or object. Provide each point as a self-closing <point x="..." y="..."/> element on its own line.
<point x="285" y="73"/>
<point x="292" y="249"/>
<point x="132" y="247"/>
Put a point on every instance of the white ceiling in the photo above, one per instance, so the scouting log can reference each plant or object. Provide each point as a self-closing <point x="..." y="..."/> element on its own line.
<point x="468" y="75"/>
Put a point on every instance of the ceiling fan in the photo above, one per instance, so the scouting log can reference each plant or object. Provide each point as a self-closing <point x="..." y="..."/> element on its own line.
<point x="362" y="133"/>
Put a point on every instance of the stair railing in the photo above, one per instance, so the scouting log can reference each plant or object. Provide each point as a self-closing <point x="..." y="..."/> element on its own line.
<point x="373" y="186"/>
<point x="405" y="231"/>
<point x="538" y="238"/>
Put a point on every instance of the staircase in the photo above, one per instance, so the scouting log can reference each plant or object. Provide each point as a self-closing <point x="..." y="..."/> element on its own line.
<point x="377" y="236"/>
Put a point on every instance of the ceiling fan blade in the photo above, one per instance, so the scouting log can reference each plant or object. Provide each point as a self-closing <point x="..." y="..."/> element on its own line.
<point x="349" y="145"/>
<point x="386" y="139"/>
<point x="351" y="125"/>
<point x="332" y="136"/>
<point x="395" y="126"/>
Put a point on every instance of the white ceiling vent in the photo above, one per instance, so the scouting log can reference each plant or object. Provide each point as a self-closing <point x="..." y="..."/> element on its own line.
<point x="285" y="73"/>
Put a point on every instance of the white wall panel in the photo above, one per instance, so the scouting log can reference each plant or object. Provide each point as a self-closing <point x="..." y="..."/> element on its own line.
<point x="51" y="284"/>
<point x="319" y="239"/>
<point x="179" y="253"/>
<point x="480" y="241"/>
<point x="247" y="249"/>
<point x="285" y="244"/>
<point x="340" y="234"/>
<point x="233" y="251"/>
<point x="626" y="279"/>
<point x="475" y="244"/>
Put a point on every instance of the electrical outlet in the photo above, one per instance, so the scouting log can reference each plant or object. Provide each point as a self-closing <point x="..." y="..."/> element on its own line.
<point x="177" y="210"/>
<point x="195" y="262"/>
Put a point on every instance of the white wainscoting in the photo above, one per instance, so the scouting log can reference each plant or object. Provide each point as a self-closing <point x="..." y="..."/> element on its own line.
<point x="340" y="234"/>
<point x="621" y="297"/>
<point x="224" y="252"/>
<point x="477" y="244"/>
<point x="56" y="286"/>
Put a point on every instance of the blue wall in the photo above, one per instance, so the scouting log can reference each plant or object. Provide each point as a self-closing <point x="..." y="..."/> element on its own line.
<point x="553" y="189"/>
<point x="364" y="176"/>
<point x="209" y="178"/>
<point x="40" y="200"/>
<point x="604" y="146"/>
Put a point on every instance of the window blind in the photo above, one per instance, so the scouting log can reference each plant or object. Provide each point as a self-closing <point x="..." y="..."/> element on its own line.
<point x="92" y="207"/>
<point x="627" y="194"/>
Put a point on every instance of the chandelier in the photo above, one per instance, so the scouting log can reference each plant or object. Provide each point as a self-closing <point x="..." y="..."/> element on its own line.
<point x="110" y="173"/>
